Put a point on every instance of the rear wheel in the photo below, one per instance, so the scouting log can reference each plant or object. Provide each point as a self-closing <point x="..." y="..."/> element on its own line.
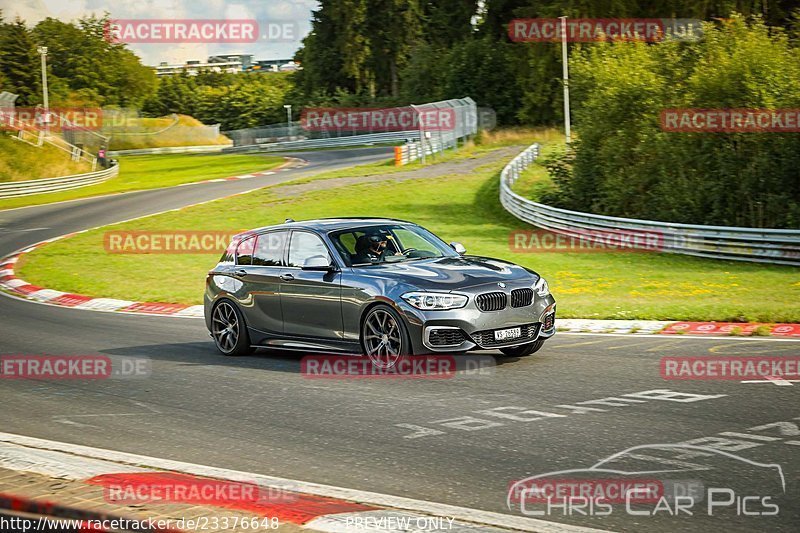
<point x="384" y="337"/>
<point x="523" y="350"/>
<point x="229" y="330"/>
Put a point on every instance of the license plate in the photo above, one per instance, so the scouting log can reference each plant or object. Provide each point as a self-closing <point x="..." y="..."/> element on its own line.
<point x="506" y="334"/>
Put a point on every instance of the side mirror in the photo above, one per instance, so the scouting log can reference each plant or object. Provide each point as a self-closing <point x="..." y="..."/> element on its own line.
<point x="318" y="262"/>
<point x="458" y="247"/>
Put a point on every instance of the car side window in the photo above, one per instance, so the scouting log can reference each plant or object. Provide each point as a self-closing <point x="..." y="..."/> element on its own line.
<point x="305" y="245"/>
<point x="348" y="241"/>
<point x="269" y="248"/>
<point x="244" y="252"/>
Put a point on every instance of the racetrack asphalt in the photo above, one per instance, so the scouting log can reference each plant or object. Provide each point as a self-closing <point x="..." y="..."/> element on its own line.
<point x="461" y="440"/>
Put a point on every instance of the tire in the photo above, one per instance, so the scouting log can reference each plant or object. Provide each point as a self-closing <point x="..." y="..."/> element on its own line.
<point x="384" y="337"/>
<point x="228" y="329"/>
<point x="523" y="350"/>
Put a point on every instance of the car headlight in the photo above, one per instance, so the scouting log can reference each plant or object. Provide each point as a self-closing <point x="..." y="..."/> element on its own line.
<point x="435" y="300"/>
<point x="541" y="288"/>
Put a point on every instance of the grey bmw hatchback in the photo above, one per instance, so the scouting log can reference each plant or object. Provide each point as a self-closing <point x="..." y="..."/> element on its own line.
<point x="379" y="287"/>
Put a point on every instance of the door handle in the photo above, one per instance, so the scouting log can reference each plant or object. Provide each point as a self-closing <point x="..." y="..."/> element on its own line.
<point x="239" y="273"/>
<point x="287" y="277"/>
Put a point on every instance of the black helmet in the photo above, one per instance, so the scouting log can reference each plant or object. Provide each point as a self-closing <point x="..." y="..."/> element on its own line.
<point x="375" y="238"/>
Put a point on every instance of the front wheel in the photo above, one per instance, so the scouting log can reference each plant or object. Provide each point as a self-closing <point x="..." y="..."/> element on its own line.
<point x="523" y="350"/>
<point x="229" y="330"/>
<point x="384" y="337"/>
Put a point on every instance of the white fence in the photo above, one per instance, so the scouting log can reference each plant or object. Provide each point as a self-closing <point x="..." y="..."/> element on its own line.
<point x="25" y="188"/>
<point x="413" y="150"/>
<point x="212" y="148"/>
<point x="432" y="141"/>
<point x="777" y="246"/>
<point x="462" y="115"/>
<point x="33" y="135"/>
<point x="332" y="142"/>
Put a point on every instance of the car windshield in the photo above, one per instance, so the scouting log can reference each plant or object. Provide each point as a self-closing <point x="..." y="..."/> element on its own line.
<point x="390" y="243"/>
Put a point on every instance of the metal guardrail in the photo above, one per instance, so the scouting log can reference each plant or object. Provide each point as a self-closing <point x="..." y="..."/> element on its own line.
<point x="412" y="150"/>
<point x="777" y="246"/>
<point x="25" y="188"/>
<point x="211" y="148"/>
<point x="332" y="142"/>
<point x="465" y="114"/>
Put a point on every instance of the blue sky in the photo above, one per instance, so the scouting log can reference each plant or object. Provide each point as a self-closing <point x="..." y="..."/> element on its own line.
<point x="296" y="12"/>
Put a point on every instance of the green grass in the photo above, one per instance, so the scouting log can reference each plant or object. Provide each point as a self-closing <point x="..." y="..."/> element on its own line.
<point x="154" y="171"/>
<point x="160" y="132"/>
<point x="535" y="180"/>
<point x="20" y="161"/>
<point x="458" y="208"/>
<point x="465" y="152"/>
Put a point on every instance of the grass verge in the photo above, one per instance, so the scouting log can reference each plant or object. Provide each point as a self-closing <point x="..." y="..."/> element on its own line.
<point x="177" y="130"/>
<point x="155" y="171"/>
<point x="463" y="208"/>
<point x="20" y="161"/>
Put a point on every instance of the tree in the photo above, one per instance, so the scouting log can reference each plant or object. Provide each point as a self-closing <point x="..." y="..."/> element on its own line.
<point x="3" y="81"/>
<point x="175" y="94"/>
<point x="448" y="21"/>
<point x="394" y="26"/>
<point x="484" y="70"/>
<point x="625" y="164"/>
<point x="20" y="63"/>
<point x="358" y="46"/>
<point x="92" y="67"/>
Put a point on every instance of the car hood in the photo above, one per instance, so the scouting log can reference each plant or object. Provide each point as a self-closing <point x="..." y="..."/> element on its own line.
<point x="449" y="273"/>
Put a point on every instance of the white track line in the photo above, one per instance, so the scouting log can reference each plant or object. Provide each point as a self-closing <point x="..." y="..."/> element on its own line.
<point x="301" y="163"/>
<point x="464" y="514"/>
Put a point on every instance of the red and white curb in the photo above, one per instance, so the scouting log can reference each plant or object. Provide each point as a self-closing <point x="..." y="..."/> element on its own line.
<point x="309" y="505"/>
<point x="19" y="287"/>
<point x="660" y="327"/>
<point x="291" y="164"/>
<point x="10" y="283"/>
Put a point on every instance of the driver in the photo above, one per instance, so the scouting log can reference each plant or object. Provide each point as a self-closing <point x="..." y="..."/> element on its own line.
<point x="376" y="252"/>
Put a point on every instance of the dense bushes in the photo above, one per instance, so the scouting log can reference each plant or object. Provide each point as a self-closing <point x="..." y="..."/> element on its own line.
<point x="84" y="67"/>
<point x="624" y="164"/>
<point x="232" y="100"/>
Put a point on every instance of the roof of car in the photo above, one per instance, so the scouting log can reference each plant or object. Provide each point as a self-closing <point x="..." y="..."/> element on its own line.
<point x="333" y="224"/>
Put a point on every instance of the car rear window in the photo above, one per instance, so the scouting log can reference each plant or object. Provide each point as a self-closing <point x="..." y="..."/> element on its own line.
<point x="244" y="252"/>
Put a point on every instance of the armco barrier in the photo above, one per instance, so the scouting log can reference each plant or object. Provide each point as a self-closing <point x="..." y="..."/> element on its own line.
<point x="431" y="142"/>
<point x="777" y="246"/>
<point x="25" y="188"/>
<point x="170" y="150"/>
<point x="332" y="142"/>
<point x="412" y="150"/>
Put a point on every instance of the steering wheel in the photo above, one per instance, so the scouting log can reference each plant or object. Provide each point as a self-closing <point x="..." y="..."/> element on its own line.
<point x="408" y="251"/>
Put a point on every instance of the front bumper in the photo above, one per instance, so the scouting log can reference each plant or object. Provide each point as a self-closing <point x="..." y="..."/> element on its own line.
<point x="469" y="328"/>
